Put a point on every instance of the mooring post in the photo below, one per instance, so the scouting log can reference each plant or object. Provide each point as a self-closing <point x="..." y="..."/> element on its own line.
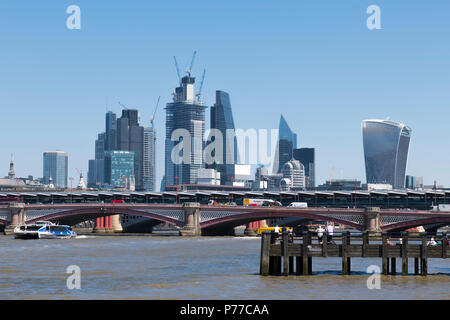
<point x="305" y="253"/>
<point x="416" y="266"/>
<point x="424" y="256"/>
<point x="265" y="253"/>
<point x="345" y="258"/>
<point x="444" y="245"/>
<point x="285" y="253"/>
<point x="365" y="243"/>
<point x="325" y="245"/>
<point x="404" y="253"/>
<point x="384" y="256"/>
<point x="393" y="266"/>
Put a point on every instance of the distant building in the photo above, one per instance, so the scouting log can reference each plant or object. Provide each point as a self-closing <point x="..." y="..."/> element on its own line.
<point x="340" y="185"/>
<point x="287" y="142"/>
<point x="208" y="176"/>
<point x="11" y="173"/>
<point x="265" y="181"/>
<point x="307" y="157"/>
<point x="119" y="169"/>
<point x="386" y="147"/>
<point x="293" y="176"/>
<point x="149" y="161"/>
<point x="411" y="182"/>
<point x="56" y="167"/>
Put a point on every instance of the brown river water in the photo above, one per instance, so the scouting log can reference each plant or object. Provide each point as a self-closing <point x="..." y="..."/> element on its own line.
<point x="225" y="268"/>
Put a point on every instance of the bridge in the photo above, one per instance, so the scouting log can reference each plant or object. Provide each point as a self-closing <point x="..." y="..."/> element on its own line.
<point x="194" y="219"/>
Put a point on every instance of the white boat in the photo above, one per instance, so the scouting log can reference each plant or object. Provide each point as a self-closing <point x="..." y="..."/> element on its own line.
<point x="44" y="230"/>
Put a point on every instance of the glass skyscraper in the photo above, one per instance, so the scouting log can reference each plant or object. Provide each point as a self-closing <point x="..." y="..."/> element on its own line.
<point x="119" y="168"/>
<point x="386" y="147"/>
<point x="56" y="167"/>
<point x="307" y="157"/>
<point x="149" y="158"/>
<point x="287" y="142"/>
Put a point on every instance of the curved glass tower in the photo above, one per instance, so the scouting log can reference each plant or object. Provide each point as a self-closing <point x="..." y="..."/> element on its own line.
<point x="386" y="146"/>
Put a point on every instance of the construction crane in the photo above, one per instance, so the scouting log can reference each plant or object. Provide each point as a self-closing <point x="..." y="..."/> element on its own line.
<point x="154" y="113"/>
<point x="178" y="69"/>
<point x="188" y="71"/>
<point x="201" y="85"/>
<point x="123" y="106"/>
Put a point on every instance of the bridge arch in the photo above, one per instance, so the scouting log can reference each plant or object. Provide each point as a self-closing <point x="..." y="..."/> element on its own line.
<point x="416" y="223"/>
<point x="75" y="216"/>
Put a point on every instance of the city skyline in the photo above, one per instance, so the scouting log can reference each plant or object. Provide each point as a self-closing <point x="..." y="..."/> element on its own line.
<point x="317" y="99"/>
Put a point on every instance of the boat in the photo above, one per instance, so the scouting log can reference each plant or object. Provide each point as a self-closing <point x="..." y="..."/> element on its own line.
<point x="44" y="230"/>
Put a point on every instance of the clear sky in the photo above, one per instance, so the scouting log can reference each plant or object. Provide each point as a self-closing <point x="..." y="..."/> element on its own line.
<point x="313" y="61"/>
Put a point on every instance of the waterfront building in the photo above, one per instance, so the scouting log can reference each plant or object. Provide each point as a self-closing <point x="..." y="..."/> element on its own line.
<point x="386" y="147"/>
<point x="188" y="114"/>
<point x="55" y="166"/>
<point x="149" y="161"/>
<point x="130" y="137"/>
<point x="306" y="156"/>
<point x="119" y="169"/>
<point x="287" y="142"/>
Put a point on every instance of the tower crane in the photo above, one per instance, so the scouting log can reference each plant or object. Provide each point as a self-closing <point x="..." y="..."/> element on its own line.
<point x="178" y="69"/>
<point x="154" y="113"/>
<point x="188" y="71"/>
<point x="123" y="106"/>
<point x="201" y="85"/>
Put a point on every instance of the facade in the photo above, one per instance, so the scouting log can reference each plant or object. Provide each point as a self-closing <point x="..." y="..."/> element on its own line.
<point x="222" y="120"/>
<point x="386" y="147"/>
<point x="119" y="169"/>
<point x="293" y="176"/>
<point x="307" y="157"/>
<point x="187" y="114"/>
<point x="56" y="168"/>
<point x="130" y="137"/>
<point x="149" y="159"/>
<point x="287" y="142"/>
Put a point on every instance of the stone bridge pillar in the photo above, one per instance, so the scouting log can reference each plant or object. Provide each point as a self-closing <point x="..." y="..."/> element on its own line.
<point x="372" y="219"/>
<point x="17" y="216"/>
<point x="116" y="225"/>
<point x="191" y="220"/>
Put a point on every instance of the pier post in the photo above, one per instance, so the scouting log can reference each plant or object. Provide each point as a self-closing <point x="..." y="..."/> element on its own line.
<point x="365" y="243"/>
<point x="285" y="253"/>
<point x="191" y="220"/>
<point x="416" y="266"/>
<point x="444" y="245"/>
<point x="404" y="253"/>
<point x="325" y="245"/>
<point x="384" y="256"/>
<point x="305" y="262"/>
<point x="345" y="258"/>
<point x="265" y="254"/>
<point x="393" y="266"/>
<point x="18" y="217"/>
<point x="372" y="221"/>
<point x="424" y="256"/>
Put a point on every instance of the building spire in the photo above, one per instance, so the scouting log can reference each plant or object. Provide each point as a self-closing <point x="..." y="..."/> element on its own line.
<point x="11" y="173"/>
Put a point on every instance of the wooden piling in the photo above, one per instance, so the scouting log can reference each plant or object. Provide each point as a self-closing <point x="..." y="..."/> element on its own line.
<point x="345" y="258"/>
<point x="393" y="266"/>
<point x="444" y="246"/>
<point x="365" y="243"/>
<point x="424" y="256"/>
<point x="325" y="245"/>
<point x="305" y="259"/>
<point x="384" y="256"/>
<point x="265" y="254"/>
<point x="416" y="266"/>
<point x="285" y="253"/>
<point x="404" y="253"/>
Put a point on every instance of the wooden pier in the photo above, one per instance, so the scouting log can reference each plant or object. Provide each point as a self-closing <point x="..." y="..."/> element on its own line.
<point x="292" y="255"/>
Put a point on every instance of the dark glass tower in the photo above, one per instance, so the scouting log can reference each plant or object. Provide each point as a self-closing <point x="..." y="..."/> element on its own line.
<point x="307" y="157"/>
<point x="287" y="142"/>
<point x="386" y="147"/>
<point x="222" y="120"/>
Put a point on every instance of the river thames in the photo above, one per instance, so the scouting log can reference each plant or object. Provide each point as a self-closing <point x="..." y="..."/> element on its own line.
<point x="207" y="268"/>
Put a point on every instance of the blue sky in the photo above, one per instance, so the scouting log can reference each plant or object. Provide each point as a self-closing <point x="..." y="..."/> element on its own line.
<point x="313" y="61"/>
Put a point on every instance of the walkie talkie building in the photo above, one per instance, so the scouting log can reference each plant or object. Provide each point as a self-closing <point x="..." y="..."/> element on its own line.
<point x="386" y="147"/>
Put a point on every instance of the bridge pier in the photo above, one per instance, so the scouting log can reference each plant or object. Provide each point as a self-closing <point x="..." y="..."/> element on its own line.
<point x="191" y="220"/>
<point x="17" y="217"/>
<point x="116" y="225"/>
<point x="372" y="219"/>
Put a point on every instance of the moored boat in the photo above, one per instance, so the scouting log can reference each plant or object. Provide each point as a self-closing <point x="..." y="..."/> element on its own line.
<point x="44" y="230"/>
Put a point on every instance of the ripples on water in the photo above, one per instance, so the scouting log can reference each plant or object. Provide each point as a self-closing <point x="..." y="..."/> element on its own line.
<point x="189" y="268"/>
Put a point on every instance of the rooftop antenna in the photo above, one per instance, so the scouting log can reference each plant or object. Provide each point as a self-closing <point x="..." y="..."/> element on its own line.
<point x="154" y="113"/>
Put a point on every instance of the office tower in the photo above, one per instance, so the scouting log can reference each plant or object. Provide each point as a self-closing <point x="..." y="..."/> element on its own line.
<point x="111" y="131"/>
<point x="411" y="182"/>
<point x="293" y="176"/>
<point x="287" y="142"/>
<point x="386" y="146"/>
<point x="130" y="137"/>
<point x="307" y="157"/>
<point x="119" y="169"/>
<point x="187" y="113"/>
<point x="11" y="173"/>
<point x="222" y="120"/>
<point x="149" y="158"/>
<point x="56" y="168"/>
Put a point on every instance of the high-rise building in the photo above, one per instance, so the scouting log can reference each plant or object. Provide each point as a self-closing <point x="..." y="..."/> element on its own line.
<point x="222" y="120"/>
<point x="111" y="131"/>
<point x="119" y="169"/>
<point x="188" y="114"/>
<point x="130" y="137"/>
<point x="11" y="173"/>
<point x="56" y="168"/>
<point x="293" y="176"/>
<point x="307" y="157"/>
<point x="386" y="147"/>
<point x="287" y="142"/>
<point x="411" y="182"/>
<point x="149" y="158"/>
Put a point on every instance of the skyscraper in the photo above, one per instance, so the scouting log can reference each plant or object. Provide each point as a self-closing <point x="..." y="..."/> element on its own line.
<point x="149" y="158"/>
<point x="386" y="147"/>
<point x="186" y="113"/>
<point x="287" y="142"/>
<point x="56" y="167"/>
<point x="111" y="131"/>
<point x="307" y="157"/>
<point x="293" y="176"/>
<point x="119" y="169"/>
<point x="222" y="120"/>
